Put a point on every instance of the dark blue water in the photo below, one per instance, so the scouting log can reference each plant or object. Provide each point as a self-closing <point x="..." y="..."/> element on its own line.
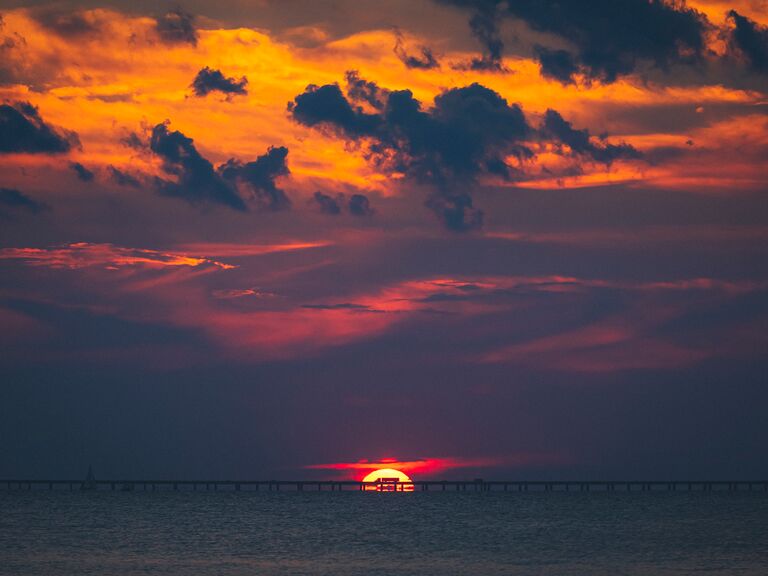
<point x="190" y="534"/>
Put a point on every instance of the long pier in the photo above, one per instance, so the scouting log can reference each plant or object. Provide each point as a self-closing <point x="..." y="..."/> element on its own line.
<point x="477" y="485"/>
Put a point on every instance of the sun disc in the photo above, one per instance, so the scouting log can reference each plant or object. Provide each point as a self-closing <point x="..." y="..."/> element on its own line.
<point x="389" y="480"/>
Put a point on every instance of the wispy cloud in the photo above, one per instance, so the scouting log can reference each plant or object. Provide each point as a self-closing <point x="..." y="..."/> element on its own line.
<point x="106" y="256"/>
<point x="222" y="250"/>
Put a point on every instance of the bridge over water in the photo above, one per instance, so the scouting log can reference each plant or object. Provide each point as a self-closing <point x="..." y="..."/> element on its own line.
<point x="476" y="485"/>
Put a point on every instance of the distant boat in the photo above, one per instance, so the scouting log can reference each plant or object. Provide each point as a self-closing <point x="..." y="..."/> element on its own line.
<point x="90" y="481"/>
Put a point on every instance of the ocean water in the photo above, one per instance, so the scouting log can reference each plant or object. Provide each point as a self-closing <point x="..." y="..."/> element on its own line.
<point x="263" y="533"/>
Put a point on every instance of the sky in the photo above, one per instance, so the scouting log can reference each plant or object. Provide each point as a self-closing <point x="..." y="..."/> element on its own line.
<point x="304" y="239"/>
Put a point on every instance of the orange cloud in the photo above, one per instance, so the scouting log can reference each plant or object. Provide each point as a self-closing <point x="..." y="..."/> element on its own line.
<point x="220" y="250"/>
<point x="716" y="10"/>
<point x="121" y="79"/>
<point x="107" y="256"/>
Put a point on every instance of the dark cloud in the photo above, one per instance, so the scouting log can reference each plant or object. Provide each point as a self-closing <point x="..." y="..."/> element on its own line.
<point x="69" y="24"/>
<point x="82" y="172"/>
<point x="467" y="127"/>
<point x="197" y="181"/>
<point x="12" y="200"/>
<point x="259" y="177"/>
<point x="749" y="40"/>
<point x="109" y="98"/>
<point x="359" y="205"/>
<point x="133" y="140"/>
<point x="470" y="131"/>
<point x="326" y="106"/>
<point x="556" y="64"/>
<point x="485" y="28"/>
<point x="23" y="130"/>
<point x="425" y="61"/>
<point x="327" y="204"/>
<point x="361" y="90"/>
<point x="456" y="210"/>
<point x="610" y="38"/>
<point x="208" y="80"/>
<point x="481" y="127"/>
<point x="177" y="27"/>
<point x="123" y="178"/>
<point x="579" y="141"/>
<point x="484" y="25"/>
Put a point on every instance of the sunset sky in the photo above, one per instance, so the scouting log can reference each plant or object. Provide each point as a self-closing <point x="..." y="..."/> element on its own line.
<point x="301" y="238"/>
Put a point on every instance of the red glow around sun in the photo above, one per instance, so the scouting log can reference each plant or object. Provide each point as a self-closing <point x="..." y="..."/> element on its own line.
<point x="438" y="468"/>
<point x="427" y="467"/>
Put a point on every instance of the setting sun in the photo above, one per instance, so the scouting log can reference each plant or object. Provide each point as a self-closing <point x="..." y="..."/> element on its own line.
<point x="389" y="480"/>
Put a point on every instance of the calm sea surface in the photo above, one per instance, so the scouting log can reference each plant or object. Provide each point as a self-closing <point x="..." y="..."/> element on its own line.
<point x="190" y="534"/>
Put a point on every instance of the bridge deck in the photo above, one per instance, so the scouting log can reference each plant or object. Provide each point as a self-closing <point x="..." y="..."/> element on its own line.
<point x="416" y="485"/>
